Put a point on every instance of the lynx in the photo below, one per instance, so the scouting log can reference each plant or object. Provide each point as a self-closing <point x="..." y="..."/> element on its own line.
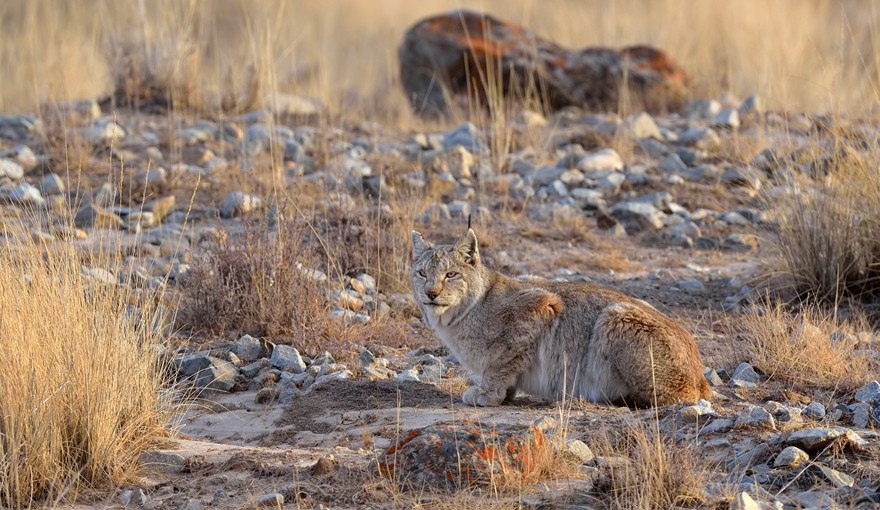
<point x="551" y="339"/>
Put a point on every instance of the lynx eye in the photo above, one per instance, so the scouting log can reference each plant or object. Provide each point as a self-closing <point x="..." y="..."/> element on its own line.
<point x="420" y="273"/>
<point x="451" y="274"/>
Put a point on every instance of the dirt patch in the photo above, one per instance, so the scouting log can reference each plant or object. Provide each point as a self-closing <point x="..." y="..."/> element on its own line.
<point x="360" y="396"/>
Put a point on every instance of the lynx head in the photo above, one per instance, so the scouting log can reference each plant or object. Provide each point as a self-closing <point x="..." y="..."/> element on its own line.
<point x="444" y="277"/>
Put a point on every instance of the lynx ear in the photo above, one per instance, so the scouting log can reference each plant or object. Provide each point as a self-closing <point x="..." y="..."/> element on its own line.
<point x="467" y="247"/>
<point x="420" y="246"/>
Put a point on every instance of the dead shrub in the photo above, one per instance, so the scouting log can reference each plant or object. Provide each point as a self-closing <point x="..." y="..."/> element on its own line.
<point x="270" y="283"/>
<point x="829" y="234"/>
<point x="647" y="470"/>
<point x="804" y="350"/>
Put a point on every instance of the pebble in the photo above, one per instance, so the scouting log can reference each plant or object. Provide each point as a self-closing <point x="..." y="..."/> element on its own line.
<point x="755" y="417"/>
<point x="238" y="203"/>
<point x="285" y="357"/>
<point x="744" y="376"/>
<point x="869" y="393"/>
<point x="791" y="456"/>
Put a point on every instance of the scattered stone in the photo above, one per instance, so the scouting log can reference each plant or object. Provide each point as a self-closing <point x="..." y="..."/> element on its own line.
<point x="95" y="216"/>
<point x="691" y="285"/>
<point x="131" y="498"/>
<point x="836" y="478"/>
<point x="726" y="119"/>
<point x="274" y="500"/>
<point x="791" y="456"/>
<point x="603" y="160"/>
<point x="869" y="393"/>
<point x="814" y="411"/>
<point x="638" y="216"/>
<point x="755" y="417"/>
<point x="248" y="348"/>
<point x="812" y="440"/>
<point x="162" y="462"/>
<point x="744" y="376"/>
<point x="10" y="169"/>
<point x="743" y="501"/>
<point x="238" y="204"/>
<point x="285" y="357"/>
<point x="577" y="451"/>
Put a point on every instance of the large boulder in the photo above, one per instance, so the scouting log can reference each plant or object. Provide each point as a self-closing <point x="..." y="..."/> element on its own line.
<point x="452" y="53"/>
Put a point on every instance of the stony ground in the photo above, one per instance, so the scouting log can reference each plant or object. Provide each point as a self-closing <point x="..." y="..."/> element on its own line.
<point x="677" y="210"/>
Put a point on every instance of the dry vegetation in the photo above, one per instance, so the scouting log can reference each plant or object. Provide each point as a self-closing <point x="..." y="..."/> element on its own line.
<point x="649" y="470"/>
<point x="806" y="351"/>
<point x="86" y="395"/>
<point x="81" y="394"/>
<point x="226" y="54"/>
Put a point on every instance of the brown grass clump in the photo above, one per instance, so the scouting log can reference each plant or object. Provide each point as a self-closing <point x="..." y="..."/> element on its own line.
<point x="81" y="393"/>
<point x="829" y="234"/>
<point x="806" y="350"/>
<point x="271" y="284"/>
<point x="647" y="470"/>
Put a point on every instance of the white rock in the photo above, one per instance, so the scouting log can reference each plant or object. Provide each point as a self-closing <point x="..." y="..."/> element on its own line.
<point x="605" y="159"/>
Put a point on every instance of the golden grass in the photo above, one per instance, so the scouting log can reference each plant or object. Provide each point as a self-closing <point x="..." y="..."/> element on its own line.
<point x="805" y="351"/>
<point x="829" y="231"/>
<point x="81" y="391"/>
<point x="647" y="470"/>
<point x="798" y="55"/>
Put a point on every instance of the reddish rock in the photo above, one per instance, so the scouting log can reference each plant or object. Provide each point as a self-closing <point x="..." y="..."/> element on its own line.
<point x="449" y="55"/>
<point x="456" y="455"/>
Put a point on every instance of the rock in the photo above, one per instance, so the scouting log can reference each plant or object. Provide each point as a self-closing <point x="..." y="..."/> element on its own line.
<point x="467" y="136"/>
<point x="637" y="216"/>
<point x="744" y="376"/>
<point x="162" y="462"/>
<point x="742" y="501"/>
<point x="131" y="498"/>
<point x="869" y="393"/>
<point x="753" y="104"/>
<point x="456" y="160"/>
<point x="190" y="504"/>
<point x="285" y="357"/>
<point x="577" y="451"/>
<point x="51" y="184"/>
<point x="455" y="455"/>
<point x="750" y="457"/>
<point x="605" y="159"/>
<point x="726" y="119"/>
<point x="368" y="282"/>
<point x="238" y="203"/>
<point x="19" y="127"/>
<point x="324" y="380"/>
<point x="696" y="413"/>
<point x="151" y="179"/>
<point x="274" y="500"/>
<point x="103" y="132"/>
<point x="741" y="177"/>
<point x="641" y="126"/>
<point x="701" y="138"/>
<point x="21" y="154"/>
<point x="836" y="478"/>
<point x="438" y="53"/>
<point x="673" y="164"/>
<point x="216" y="375"/>
<point x="691" y="285"/>
<point x="740" y="242"/>
<point x="410" y="374"/>
<point x="814" y="411"/>
<point x="611" y="182"/>
<point x="248" y="348"/>
<point x="812" y="440"/>
<point x="94" y="216"/>
<point x="10" y="169"/>
<point x="287" y="394"/>
<point x="23" y="194"/>
<point x="719" y="425"/>
<point x="791" y="456"/>
<point x="755" y="417"/>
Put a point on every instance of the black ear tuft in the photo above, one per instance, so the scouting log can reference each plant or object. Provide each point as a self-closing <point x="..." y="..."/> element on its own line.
<point x="467" y="248"/>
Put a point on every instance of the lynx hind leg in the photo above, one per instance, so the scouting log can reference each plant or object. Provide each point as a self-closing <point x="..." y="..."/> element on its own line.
<point x="655" y="358"/>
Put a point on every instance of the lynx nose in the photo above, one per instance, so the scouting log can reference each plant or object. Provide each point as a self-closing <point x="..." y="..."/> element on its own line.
<point x="432" y="294"/>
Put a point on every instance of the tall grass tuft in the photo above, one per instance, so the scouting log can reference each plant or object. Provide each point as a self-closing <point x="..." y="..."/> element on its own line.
<point x="81" y="393"/>
<point x="829" y="234"/>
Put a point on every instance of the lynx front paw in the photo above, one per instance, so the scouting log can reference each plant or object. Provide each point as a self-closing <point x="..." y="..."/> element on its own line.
<point x="477" y="396"/>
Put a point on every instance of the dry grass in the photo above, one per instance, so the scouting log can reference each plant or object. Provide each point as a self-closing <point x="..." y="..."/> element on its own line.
<point x="264" y="283"/>
<point x="81" y="393"/>
<point x="648" y="471"/>
<point x="806" y="351"/>
<point x="829" y="231"/>
<point x="227" y="53"/>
